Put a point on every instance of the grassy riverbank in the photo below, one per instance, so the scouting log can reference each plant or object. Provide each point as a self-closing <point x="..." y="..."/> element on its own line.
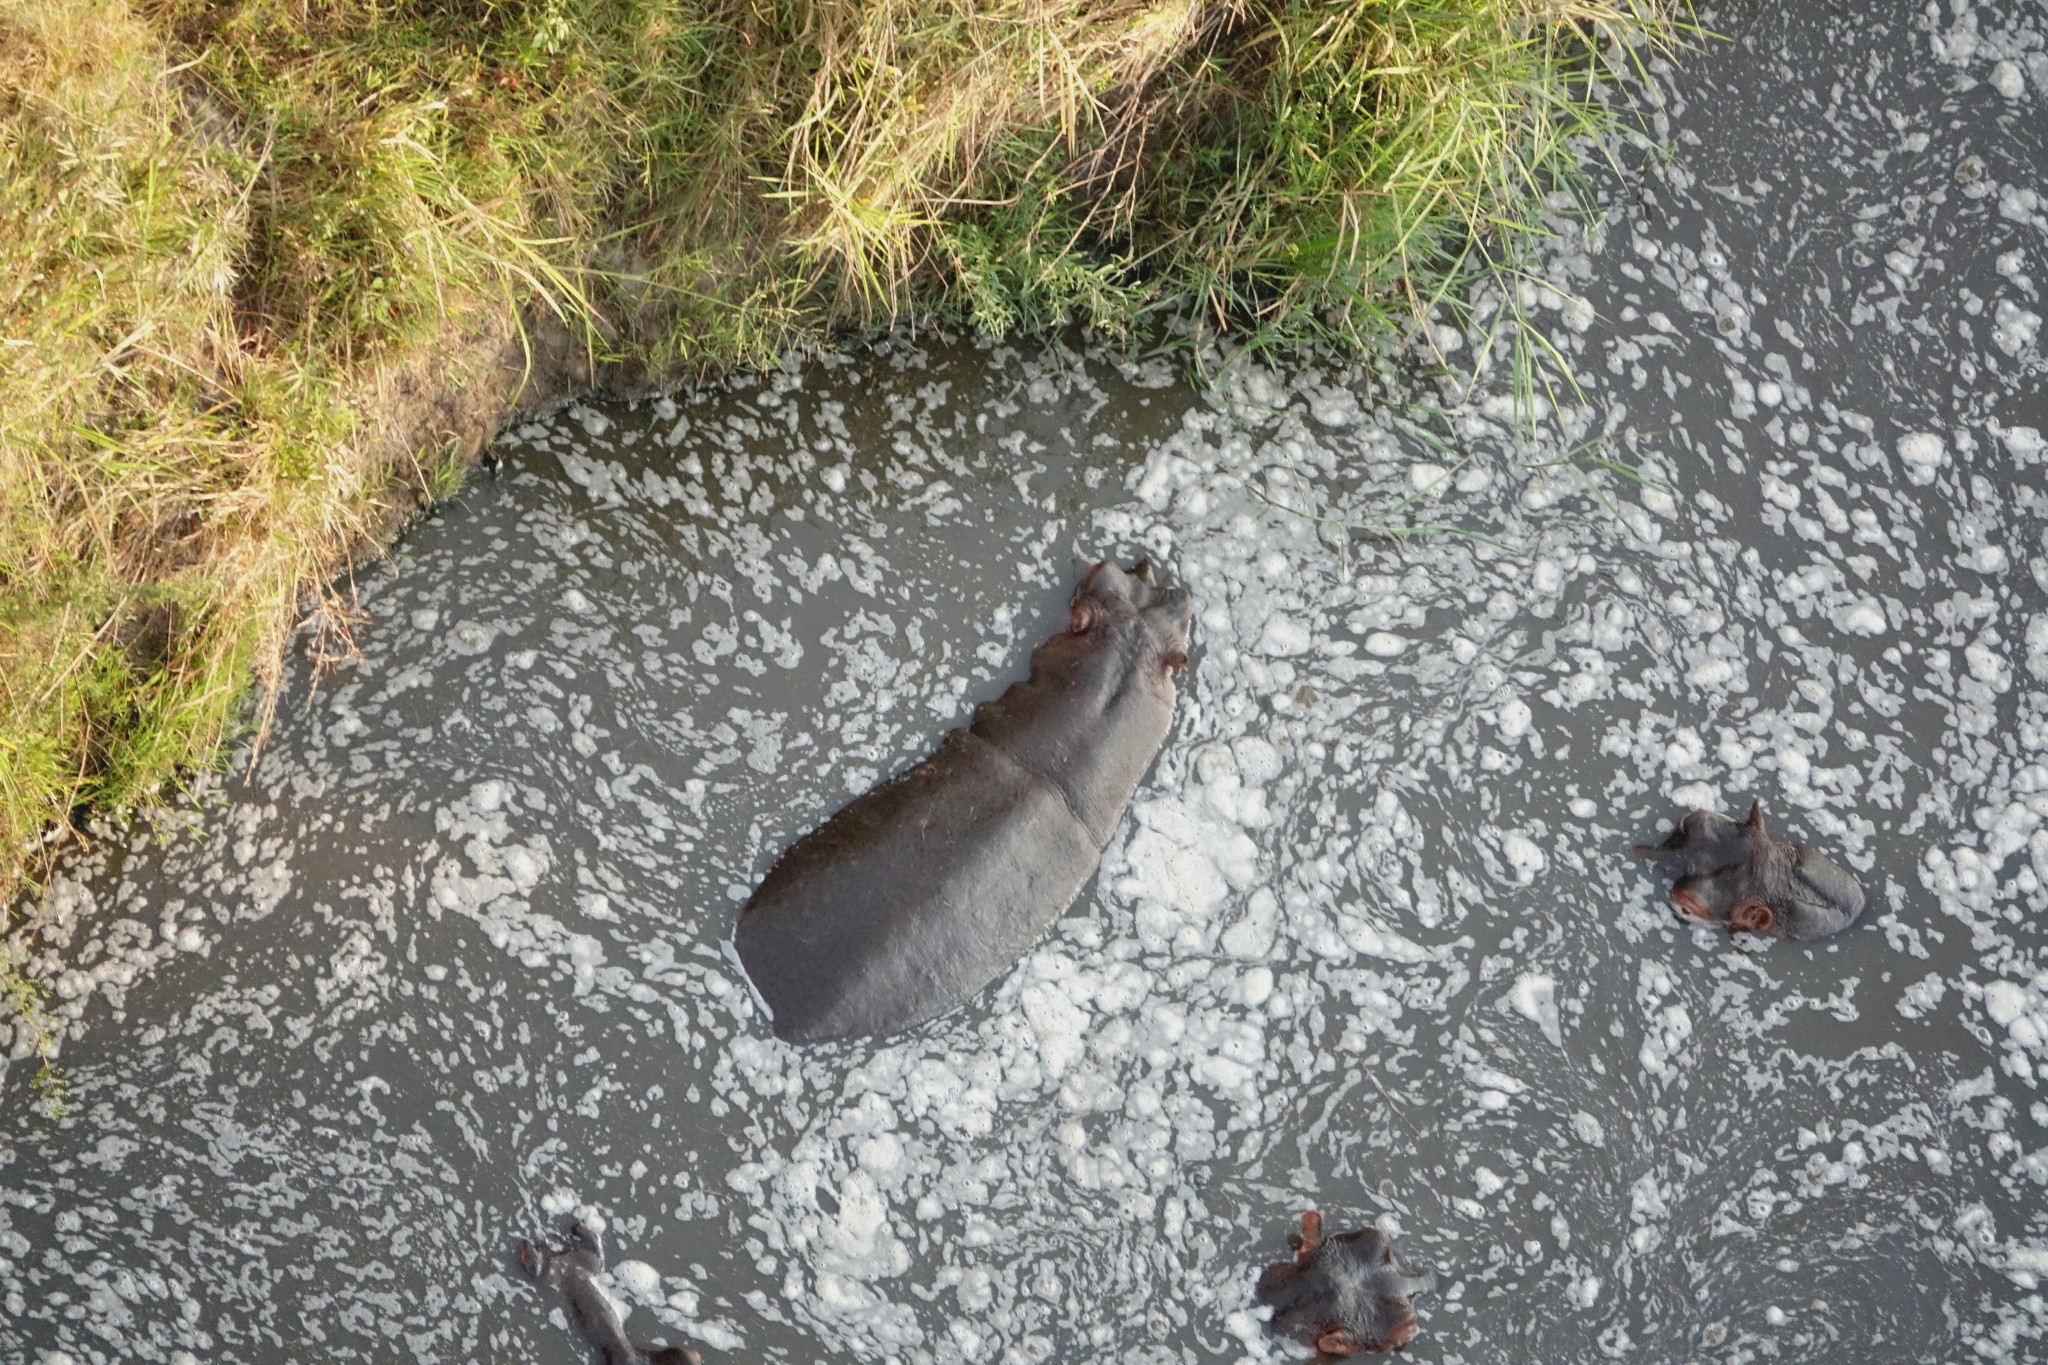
<point x="269" y="269"/>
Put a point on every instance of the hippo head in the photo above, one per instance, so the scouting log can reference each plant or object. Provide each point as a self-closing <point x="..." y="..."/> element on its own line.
<point x="1344" y="1295"/>
<point x="1143" y="625"/>
<point x="1100" y="697"/>
<point x="1736" y="875"/>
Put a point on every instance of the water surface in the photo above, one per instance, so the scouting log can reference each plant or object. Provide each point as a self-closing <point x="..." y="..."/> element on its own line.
<point x="452" y="963"/>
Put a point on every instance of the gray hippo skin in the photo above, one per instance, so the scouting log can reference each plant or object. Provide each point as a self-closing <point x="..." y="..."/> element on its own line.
<point x="920" y="892"/>
<point x="1342" y="1296"/>
<point x="1739" y="876"/>
<point x="568" y="1273"/>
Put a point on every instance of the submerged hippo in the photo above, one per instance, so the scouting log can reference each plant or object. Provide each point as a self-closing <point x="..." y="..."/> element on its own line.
<point x="918" y="893"/>
<point x="1739" y="876"/>
<point x="1344" y="1296"/>
<point x="570" y="1273"/>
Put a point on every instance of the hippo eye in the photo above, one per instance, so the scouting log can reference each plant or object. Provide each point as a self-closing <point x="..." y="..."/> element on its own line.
<point x="1082" y="618"/>
<point x="1175" y="660"/>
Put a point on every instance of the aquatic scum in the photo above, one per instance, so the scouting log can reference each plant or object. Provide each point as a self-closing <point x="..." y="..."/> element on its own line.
<point x="1370" y="939"/>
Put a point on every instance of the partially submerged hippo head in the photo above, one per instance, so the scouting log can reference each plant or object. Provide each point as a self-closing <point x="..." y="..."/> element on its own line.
<point x="1737" y="875"/>
<point x="1101" y="693"/>
<point x="1344" y="1296"/>
<point x="568" y="1274"/>
<point x="1106" y="592"/>
<point x="1125" y="615"/>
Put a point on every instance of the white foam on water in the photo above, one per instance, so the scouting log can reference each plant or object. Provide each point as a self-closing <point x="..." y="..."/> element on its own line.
<point x="1923" y="453"/>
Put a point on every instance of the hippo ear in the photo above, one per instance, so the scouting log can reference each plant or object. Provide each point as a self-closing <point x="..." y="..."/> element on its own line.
<point x="1752" y="915"/>
<point x="1310" y="1239"/>
<point x="1082" y="617"/>
<point x="1341" y="1341"/>
<point x="1175" y="660"/>
<point x="1142" y="571"/>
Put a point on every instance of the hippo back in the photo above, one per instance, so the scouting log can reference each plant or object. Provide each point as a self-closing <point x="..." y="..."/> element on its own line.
<point x="922" y="890"/>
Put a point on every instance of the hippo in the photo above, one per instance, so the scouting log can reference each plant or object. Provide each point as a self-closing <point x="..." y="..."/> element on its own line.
<point x="570" y="1273"/>
<point x="1342" y="1296"/>
<point x="921" y="891"/>
<point x="1739" y="876"/>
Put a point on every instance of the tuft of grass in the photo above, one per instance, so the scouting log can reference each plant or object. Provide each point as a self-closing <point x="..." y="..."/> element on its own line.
<point x="25" y="996"/>
<point x="259" y="260"/>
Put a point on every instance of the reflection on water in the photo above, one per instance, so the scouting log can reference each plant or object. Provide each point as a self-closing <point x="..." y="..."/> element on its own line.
<point x="453" y="963"/>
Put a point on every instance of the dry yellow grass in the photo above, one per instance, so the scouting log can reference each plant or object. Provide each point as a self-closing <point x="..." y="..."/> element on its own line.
<point x="166" y="492"/>
<point x="911" y="97"/>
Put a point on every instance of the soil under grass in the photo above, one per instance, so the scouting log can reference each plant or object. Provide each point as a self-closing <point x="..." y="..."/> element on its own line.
<point x="271" y="271"/>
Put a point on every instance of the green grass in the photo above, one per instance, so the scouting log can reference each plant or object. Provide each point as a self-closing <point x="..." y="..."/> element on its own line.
<point x="231" y="229"/>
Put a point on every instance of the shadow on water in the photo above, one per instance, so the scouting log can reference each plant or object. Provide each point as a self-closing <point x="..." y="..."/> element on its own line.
<point x="452" y="962"/>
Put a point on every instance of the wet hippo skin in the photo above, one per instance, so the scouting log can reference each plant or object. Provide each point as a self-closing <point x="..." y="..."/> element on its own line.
<point x="1342" y="1296"/>
<point x="1739" y="876"/>
<point x="921" y="891"/>
<point x="569" y="1274"/>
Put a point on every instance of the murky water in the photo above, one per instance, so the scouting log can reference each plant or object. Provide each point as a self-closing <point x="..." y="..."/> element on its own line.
<point x="453" y="961"/>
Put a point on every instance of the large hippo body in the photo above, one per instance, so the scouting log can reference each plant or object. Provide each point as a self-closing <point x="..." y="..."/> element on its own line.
<point x="921" y="891"/>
